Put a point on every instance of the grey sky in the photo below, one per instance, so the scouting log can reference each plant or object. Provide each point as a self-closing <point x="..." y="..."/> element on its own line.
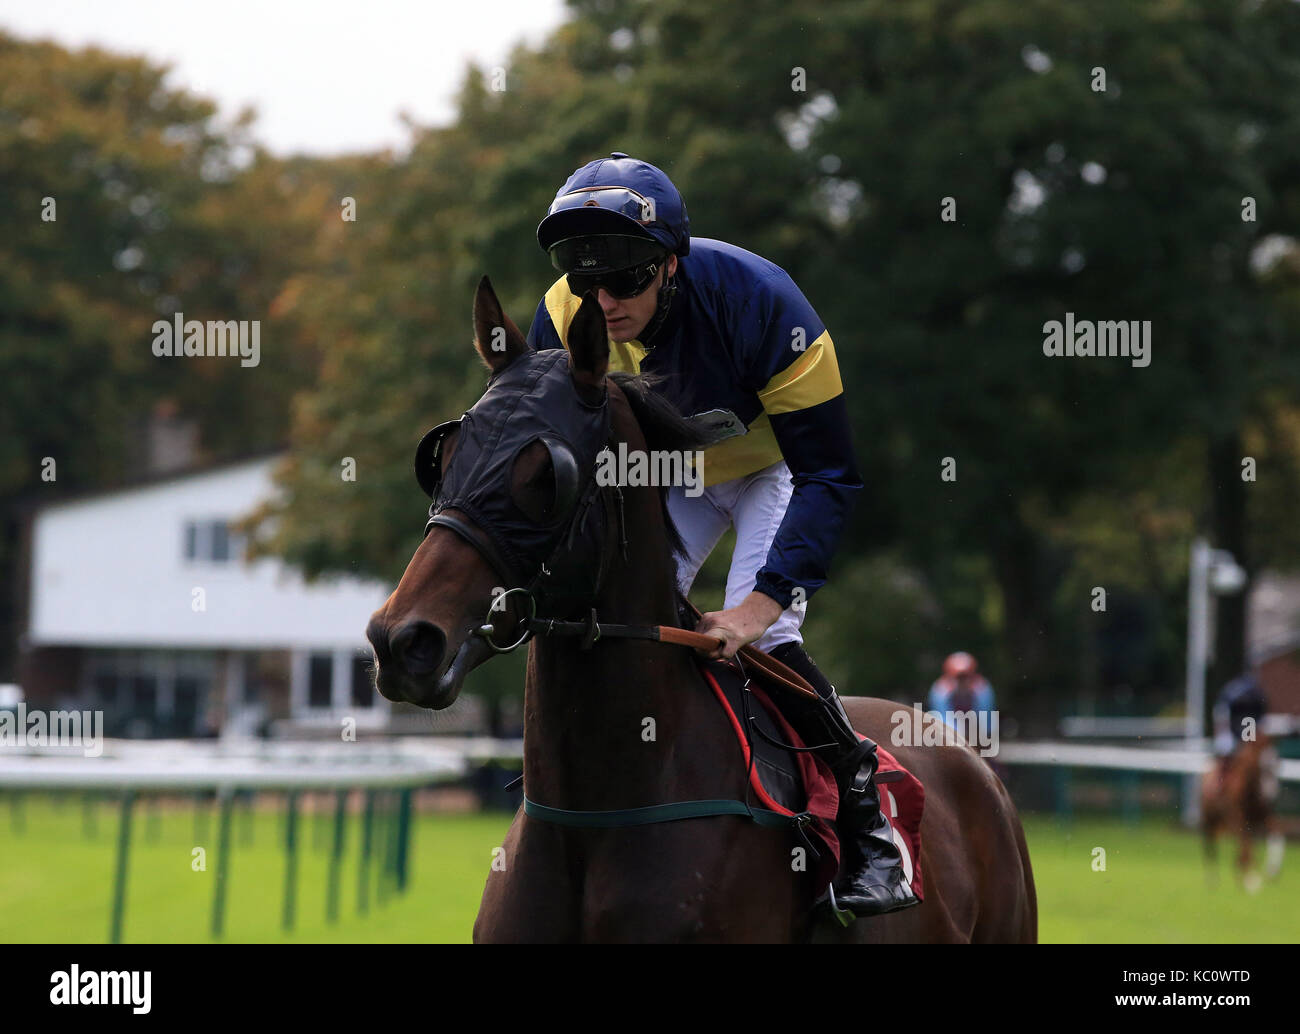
<point x="325" y="76"/>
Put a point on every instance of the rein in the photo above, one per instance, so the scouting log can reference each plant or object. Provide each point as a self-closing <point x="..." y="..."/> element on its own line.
<point x="592" y="631"/>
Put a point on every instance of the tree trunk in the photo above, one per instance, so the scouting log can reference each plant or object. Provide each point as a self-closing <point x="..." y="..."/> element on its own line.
<point x="1017" y="558"/>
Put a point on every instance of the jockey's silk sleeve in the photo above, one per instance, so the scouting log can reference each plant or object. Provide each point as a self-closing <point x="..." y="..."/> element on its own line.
<point x="791" y="365"/>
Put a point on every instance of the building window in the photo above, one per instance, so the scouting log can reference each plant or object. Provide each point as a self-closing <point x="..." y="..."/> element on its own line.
<point x="363" y="687"/>
<point x="211" y="542"/>
<point x="320" y="681"/>
<point x="105" y="688"/>
<point x="150" y="692"/>
<point x="220" y="542"/>
<point x="144" y="694"/>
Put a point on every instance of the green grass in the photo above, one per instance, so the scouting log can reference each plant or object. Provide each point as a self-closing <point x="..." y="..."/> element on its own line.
<point x="55" y="884"/>
<point x="1154" y="888"/>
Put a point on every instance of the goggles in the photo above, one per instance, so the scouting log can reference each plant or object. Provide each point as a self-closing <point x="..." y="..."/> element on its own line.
<point x="603" y="253"/>
<point x="621" y="283"/>
<point x="623" y="200"/>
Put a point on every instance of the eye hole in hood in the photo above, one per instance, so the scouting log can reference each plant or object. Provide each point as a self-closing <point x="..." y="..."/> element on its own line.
<point x="549" y="500"/>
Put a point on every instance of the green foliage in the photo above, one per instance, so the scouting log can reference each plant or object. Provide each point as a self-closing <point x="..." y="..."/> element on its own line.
<point x="158" y="208"/>
<point x="1123" y="203"/>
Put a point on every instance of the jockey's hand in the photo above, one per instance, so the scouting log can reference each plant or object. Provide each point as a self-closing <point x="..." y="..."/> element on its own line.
<point x="740" y="625"/>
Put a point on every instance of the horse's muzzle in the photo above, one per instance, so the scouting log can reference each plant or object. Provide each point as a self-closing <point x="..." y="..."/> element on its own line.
<point x="414" y="665"/>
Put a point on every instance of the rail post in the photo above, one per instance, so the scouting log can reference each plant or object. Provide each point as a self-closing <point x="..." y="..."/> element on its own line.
<point x="290" y="859"/>
<point x="367" y="849"/>
<point x="119" y="880"/>
<point x="226" y="800"/>
<point x="336" y="856"/>
<point x="403" y="838"/>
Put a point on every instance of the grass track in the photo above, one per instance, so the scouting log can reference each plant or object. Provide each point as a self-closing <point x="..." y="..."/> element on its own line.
<point x="55" y="884"/>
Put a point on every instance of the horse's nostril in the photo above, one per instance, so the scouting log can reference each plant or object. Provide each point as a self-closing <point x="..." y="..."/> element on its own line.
<point x="418" y="646"/>
<point x="377" y="633"/>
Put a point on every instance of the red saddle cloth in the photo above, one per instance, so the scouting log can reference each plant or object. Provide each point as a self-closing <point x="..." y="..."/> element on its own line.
<point x="901" y="794"/>
<point x="902" y="798"/>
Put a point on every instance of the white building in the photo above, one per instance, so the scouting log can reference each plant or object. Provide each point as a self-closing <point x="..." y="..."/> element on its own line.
<point x="141" y="603"/>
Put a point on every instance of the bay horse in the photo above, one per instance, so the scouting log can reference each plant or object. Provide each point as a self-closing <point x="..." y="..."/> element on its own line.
<point x="587" y="706"/>
<point x="1237" y="795"/>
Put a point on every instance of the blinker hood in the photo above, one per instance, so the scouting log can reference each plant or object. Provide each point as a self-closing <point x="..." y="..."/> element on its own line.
<point x="532" y="399"/>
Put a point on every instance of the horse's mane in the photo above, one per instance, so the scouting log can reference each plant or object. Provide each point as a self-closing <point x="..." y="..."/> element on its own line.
<point x="664" y="429"/>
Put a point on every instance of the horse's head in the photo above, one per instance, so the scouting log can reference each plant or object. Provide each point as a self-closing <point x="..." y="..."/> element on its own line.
<point x="517" y="514"/>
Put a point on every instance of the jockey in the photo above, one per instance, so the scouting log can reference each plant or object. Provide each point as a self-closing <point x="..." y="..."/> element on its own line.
<point x="1238" y="711"/>
<point x="737" y="347"/>
<point x="960" y="688"/>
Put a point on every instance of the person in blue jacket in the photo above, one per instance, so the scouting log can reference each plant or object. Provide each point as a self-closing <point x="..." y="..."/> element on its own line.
<point x="961" y="688"/>
<point x="734" y="344"/>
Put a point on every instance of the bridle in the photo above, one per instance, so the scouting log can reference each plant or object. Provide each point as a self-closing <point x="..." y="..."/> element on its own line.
<point x="529" y="588"/>
<point x="553" y="588"/>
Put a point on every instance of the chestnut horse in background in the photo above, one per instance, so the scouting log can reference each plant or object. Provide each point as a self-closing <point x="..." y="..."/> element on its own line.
<point x="715" y="879"/>
<point x="1237" y="797"/>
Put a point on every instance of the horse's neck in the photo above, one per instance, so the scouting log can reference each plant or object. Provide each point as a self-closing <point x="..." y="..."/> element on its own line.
<point x="617" y="726"/>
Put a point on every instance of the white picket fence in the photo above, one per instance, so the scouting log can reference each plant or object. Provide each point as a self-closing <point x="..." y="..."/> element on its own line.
<point x="272" y="764"/>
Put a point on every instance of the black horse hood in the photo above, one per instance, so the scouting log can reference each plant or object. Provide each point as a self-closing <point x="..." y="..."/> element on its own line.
<point x="532" y="399"/>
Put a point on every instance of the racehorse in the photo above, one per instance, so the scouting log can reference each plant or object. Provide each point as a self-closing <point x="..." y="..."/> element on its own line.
<point x="1237" y="796"/>
<point x="588" y="702"/>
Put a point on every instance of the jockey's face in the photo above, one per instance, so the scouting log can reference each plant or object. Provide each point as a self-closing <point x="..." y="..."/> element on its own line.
<point x="627" y="317"/>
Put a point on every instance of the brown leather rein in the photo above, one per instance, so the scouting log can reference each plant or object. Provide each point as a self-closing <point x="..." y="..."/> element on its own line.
<point x="592" y="631"/>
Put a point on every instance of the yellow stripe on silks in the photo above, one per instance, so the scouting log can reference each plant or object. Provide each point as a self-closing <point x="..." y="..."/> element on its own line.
<point x="742" y="455"/>
<point x="563" y="305"/>
<point x="810" y="380"/>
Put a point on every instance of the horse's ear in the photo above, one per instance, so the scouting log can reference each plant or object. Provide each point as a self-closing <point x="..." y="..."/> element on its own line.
<point x="495" y="335"/>
<point x="589" y="344"/>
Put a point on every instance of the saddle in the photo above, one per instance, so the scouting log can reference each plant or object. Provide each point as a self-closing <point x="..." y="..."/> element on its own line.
<point x="787" y="779"/>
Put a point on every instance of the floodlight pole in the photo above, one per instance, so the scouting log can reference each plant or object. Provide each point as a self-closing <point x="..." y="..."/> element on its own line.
<point x="1211" y="570"/>
<point x="1198" y="635"/>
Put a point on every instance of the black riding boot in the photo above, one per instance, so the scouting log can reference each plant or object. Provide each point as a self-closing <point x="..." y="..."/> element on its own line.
<point x="872" y="880"/>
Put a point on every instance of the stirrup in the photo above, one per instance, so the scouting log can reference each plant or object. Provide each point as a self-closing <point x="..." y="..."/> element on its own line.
<point x="842" y="915"/>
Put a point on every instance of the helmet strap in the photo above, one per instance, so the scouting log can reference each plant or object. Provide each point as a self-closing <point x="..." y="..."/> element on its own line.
<point x="666" y="291"/>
